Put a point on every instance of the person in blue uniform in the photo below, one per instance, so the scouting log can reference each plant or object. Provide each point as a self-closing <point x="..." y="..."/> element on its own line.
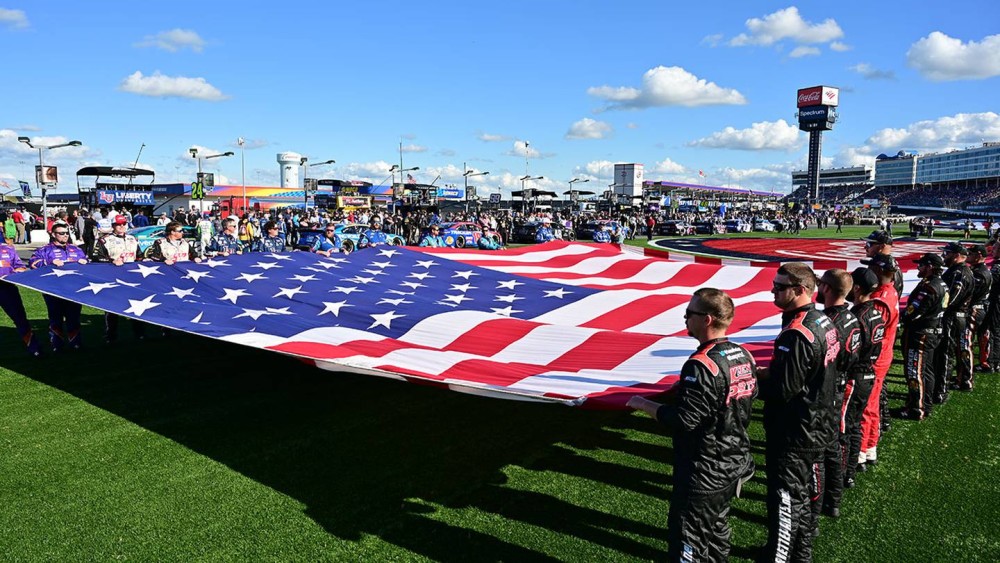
<point x="487" y="242"/>
<point x="433" y="238"/>
<point x="226" y="242"/>
<point x="375" y="235"/>
<point x="544" y="233"/>
<point x="273" y="240"/>
<point x="64" y="316"/>
<point x="330" y="243"/>
<point x="10" y="298"/>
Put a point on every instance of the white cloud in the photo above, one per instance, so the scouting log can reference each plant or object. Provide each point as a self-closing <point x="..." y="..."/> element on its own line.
<point x="161" y="86"/>
<point x="764" y="135"/>
<point x="776" y="178"/>
<point x="713" y="40"/>
<point x="850" y="156"/>
<point x="786" y="24"/>
<point x="408" y="136"/>
<point x="871" y="73"/>
<point x="11" y="147"/>
<point x="490" y="138"/>
<point x="446" y="152"/>
<point x="413" y="148"/>
<point x="631" y="125"/>
<point x="588" y="128"/>
<point x="839" y="47"/>
<point x="940" y="57"/>
<point x="174" y="40"/>
<point x="667" y="166"/>
<point x="374" y="172"/>
<point x="29" y="128"/>
<point x="943" y="133"/>
<point x="524" y="150"/>
<point x="668" y="86"/>
<point x="13" y="19"/>
<point x="804" y="51"/>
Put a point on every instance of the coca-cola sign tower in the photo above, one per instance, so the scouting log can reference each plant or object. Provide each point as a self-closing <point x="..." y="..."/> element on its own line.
<point x="819" y="96"/>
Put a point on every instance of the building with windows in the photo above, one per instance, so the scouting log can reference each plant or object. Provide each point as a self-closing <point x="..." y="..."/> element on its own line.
<point x="850" y="175"/>
<point x="971" y="164"/>
<point x="898" y="170"/>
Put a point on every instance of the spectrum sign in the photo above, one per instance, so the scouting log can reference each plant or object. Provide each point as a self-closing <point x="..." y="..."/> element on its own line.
<point x="818" y="96"/>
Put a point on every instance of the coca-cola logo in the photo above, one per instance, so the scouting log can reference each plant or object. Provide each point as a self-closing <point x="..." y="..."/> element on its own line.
<point x="809" y="97"/>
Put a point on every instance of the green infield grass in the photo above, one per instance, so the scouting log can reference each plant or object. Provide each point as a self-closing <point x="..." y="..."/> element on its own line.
<point x="181" y="449"/>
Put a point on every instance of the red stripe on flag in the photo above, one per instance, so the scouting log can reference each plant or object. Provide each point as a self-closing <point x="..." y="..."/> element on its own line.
<point x="603" y="351"/>
<point x="491" y="337"/>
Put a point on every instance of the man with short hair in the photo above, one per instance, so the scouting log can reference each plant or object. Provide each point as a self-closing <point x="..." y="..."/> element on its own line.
<point x="225" y="243"/>
<point x="834" y="286"/>
<point x="875" y="419"/>
<point x="330" y="243"/>
<point x="993" y="314"/>
<point x="880" y="242"/>
<point x="709" y="419"/>
<point x="798" y="390"/>
<point x="433" y="237"/>
<point x="172" y="248"/>
<point x="921" y="336"/>
<point x="953" y="351"/>
<point x="272" y="241"/>
<point x="873" y="315"/>
<point x="375" y="235"/>
<point x="118" y="248"/>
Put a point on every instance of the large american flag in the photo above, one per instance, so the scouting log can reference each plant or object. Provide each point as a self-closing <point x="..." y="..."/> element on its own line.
<point x="579" y="324"/>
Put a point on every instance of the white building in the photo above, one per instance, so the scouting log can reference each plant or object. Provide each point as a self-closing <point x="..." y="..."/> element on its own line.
<point x="290" y="163"/>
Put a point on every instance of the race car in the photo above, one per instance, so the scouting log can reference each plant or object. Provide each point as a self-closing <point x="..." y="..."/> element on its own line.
<point x="465" y="233"/>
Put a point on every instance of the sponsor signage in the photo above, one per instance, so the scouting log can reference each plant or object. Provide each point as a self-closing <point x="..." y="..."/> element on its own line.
<point x="46" y="175"/>
<point x="451" y="193"/>
<point x="353" y="201"/>
<point x="108" y="197"/>
<point x="322" y="200"/>
<point x="495" y="198"/>
<point x="815" y="113"/>
<point x="171" y="189"/>
<point x="818" y="96"/>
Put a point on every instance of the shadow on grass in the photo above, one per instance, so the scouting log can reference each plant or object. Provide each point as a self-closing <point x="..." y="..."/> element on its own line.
<point x="365" y="456"/>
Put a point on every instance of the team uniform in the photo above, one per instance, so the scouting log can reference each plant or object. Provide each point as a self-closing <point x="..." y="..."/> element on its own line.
<point x="871" y="419"/>
<point x="834" y="457"/>
<point x="487" y="242"/>
<point x="164" y="249"/>
<point x="953" y="351"/>
<point x="223" y="243"/>
<point x="711" y="448"/>
<point x="544" y="234"/>
<point x="601" y="235"/>
<point x="275" y="244"/>
<point x="992" y="322"/>
<point x="110" y="248"/>
<point x="799" y="423"/>
<point x="922" y="321"/>
<point x="376" y="237"/>
<point x="64" y="316"/>
<point x="977" y="309"/>
<point x="873" y="316"/>
<point x="10" y="299"/>
<point x="324" y="244"/>
<point x="433" y="241"/>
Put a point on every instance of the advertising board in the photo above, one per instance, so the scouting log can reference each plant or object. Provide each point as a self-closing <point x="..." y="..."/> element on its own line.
<point x="818" y="96"/>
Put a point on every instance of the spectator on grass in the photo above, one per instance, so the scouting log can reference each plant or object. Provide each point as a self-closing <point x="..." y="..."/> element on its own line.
<point x="709" y="420"/>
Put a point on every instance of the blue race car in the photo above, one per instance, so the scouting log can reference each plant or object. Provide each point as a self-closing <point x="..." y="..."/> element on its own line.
<point x="466" y="233"/>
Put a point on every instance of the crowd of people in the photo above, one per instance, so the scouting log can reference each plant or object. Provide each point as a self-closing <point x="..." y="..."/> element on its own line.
<point x="825" y="403"/>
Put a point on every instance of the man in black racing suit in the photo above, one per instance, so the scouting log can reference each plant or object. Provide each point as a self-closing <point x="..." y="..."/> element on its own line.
<point x="798" y="390"/>
<point x="832" y="293"/>
<point x="978" y="304"/>
<point x="953" y="351"/>
<point x="921" y="336"/>
<point x="872" y="314"/>
<point x="709" y="419"/>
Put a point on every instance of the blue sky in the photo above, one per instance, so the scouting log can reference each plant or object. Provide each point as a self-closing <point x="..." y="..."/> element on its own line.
<point x="681" y="87"/>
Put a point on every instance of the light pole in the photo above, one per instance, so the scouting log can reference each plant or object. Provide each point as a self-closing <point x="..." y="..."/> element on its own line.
<point x="573" y="181"/>
<point x="196" y="154"/>
<point x="305" y="174"/>
<point x="39" y="181"/>
<point x="398" y="168"/>
<point x="243" y="169"/>
<point x="468" y="174"/>
<point x="523" y="190"/>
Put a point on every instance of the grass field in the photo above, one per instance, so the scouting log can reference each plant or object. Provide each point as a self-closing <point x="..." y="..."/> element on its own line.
<point x="185" y="449"/>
